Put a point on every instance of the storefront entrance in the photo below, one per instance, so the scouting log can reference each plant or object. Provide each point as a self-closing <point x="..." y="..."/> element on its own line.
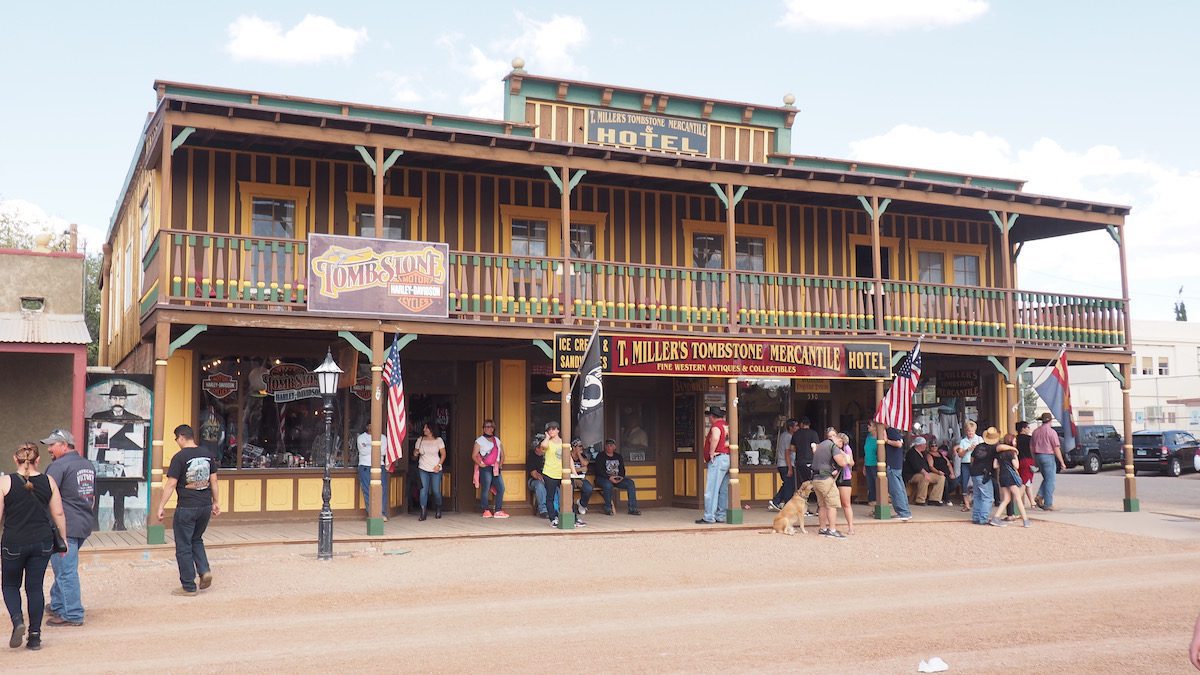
<point x="435" y="409"/>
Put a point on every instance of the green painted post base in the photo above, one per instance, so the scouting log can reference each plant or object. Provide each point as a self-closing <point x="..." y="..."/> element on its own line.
<point x="883" y="511"/>
<point x="156" y="534"/>
<point x="566" y="521"/>
<point x="734" y="517"/>
<point x="1132" y="505"/>
<point x="374" y="527"/>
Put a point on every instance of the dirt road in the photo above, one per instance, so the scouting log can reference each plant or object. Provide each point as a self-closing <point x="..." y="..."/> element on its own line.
<point x="1054" y="598"/>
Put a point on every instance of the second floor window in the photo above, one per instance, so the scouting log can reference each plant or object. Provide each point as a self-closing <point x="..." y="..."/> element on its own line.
<point x="144" y="230"/>
<point x="396" y="222"/>
<point x="1164" y="366"/>
<point x="529" y="237"/>
<point x="273" y="218"/>
<point x="708" y="252"/>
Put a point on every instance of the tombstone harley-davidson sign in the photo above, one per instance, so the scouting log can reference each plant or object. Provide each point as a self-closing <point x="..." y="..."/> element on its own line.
<point x="380" y="277"/>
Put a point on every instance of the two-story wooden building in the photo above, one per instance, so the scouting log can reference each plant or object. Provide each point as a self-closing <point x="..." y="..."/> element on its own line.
<point x="718" y="264"/>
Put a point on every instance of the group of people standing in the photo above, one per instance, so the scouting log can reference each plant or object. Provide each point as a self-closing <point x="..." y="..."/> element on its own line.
<point x="47" y="517"/>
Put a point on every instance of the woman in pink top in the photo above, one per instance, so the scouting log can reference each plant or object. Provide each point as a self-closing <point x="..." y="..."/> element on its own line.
<point x="845" y="481"/>
<point x="488" y="456"/>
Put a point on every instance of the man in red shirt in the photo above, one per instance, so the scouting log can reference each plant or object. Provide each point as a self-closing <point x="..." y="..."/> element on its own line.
<point x="716" y="454"/>
<point x="1047" y="452"/>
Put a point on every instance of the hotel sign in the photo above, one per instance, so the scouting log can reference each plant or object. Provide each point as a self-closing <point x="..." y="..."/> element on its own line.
<point x="642" y="131"/>
<point x="381" y="277"/>
<point x="718" y="357"/>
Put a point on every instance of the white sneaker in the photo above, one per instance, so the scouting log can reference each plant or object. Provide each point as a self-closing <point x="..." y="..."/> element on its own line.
<point x="580" y="508"/>
<point x="904" y="519"/>
<point x="554" y="523"/>
<point x="772" y="506"/>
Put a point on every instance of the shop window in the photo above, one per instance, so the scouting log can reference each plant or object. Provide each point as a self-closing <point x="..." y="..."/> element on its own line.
<point x="763" y="409"/>
<point x="266" y="413"/>
<point x="634" y="432"/>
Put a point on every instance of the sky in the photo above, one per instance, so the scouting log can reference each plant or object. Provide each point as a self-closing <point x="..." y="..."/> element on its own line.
<point x="1089" y="100"/>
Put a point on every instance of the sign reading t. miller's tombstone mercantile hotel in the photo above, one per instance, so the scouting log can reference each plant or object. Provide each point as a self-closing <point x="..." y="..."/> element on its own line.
<point x="380" y="277"/>
<point x="647" y="132"/>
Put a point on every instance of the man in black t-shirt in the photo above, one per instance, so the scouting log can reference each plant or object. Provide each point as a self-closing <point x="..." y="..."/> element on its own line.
<point x="802" y="444"/>
<point x="194" y="472"/>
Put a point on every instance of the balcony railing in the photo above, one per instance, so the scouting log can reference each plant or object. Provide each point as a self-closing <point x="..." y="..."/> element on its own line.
<point x="265" y="274"/>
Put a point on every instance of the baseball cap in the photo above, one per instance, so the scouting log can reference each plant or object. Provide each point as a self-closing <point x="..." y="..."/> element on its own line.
<point x="894" y="434"/>
<point x="59" y="436"/>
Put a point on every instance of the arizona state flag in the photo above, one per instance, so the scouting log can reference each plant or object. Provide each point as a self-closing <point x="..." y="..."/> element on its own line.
<point x="591" y="394"/>
<point x="1055" y="390"/>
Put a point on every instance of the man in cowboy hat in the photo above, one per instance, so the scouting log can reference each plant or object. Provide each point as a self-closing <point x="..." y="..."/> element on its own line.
<point x="716" y="454"/>
<point x="117" y="395"/>
<point x="1047" y="454"/>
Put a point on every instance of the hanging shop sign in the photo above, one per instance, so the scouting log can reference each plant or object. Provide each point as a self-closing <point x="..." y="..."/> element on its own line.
<point x="641" y="131"/>
<point x="386" y="278"/>
<point x="219" y="385"/>
<point x="290" y="382"/>
<point x="957" y="383"/>
<point x="812" y="386"/>
<point x="717" y="357"/>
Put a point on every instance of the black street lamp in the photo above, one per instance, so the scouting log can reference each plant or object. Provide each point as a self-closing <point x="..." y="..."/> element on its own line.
<point x="327" y="380"/>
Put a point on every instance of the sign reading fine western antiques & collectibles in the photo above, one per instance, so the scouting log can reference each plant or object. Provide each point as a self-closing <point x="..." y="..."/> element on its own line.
<point x="717" y="357"/>
<point x="380" y="277"/>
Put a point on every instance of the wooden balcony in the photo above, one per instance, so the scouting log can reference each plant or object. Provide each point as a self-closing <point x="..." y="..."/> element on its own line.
<point x="267" y="275"/>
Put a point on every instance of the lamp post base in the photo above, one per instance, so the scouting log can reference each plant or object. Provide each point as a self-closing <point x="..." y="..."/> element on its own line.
<point x="325" y="536"/>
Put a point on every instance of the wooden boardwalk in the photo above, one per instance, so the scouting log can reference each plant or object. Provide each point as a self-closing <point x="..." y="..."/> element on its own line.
<point x="459" y="525"/>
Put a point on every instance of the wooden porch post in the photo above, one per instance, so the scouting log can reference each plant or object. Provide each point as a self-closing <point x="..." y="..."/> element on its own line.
<point x="1009" y="299"/>
<point x="1131" y="503"/>
<point x="733" y="515"/>
<point x="1014" y="393"/>
<point x="566" y="517"/>
<point x="156" y="533"/>
<point x="883" y="509"/>
<point x="876" y="261"/>
<point x="568" y="307"/>
<point x="378" y="200"/>
<point x="376" y="509"/>
<point x="731" y="285"/>
<point x="1131" y="500"/>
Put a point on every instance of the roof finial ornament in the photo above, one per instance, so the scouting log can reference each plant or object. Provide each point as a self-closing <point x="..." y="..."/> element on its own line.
<point x="518" y="64"/>
<point x="789" y="100"/>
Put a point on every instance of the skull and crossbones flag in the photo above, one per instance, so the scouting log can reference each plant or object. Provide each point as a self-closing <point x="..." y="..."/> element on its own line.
<point x="591" y="394"/>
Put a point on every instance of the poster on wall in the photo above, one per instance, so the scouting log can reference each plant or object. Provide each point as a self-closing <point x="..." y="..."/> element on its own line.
<point x="119" y="409"/>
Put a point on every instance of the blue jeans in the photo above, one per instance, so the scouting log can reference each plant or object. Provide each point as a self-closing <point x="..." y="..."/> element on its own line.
<point x="716" y="489"/>
<point x="981" y="507"/>
<point x="364" y="482"/>
<point x="585" y="491"/>
<point x="964" y="480"/>
<point x="551" y="485"/>
<point x="487" y="481"/>
<point x="626" y="484"/>
<point x="872" y="484"/>
<point x="1048" y="466"/>
<point x="65" y="597"/>
<point x="787" y="488"/>
<point x="896" y="489"/>
<point x="538" y="488"/>
<point x="431" y="480"/>
<point x="188" y="525"/>
<point x="26" y="562"/>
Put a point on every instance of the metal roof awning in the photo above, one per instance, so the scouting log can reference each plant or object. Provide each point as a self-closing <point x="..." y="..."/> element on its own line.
<point x="38" y="328"/>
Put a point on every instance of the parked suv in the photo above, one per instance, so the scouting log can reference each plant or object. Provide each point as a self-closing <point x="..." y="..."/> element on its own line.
<point x="1167" y="451"/>
<point x="1095" y="446"/>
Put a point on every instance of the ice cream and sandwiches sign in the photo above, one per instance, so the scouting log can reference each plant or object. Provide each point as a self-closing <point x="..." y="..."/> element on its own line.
<point x="380" y="277"/>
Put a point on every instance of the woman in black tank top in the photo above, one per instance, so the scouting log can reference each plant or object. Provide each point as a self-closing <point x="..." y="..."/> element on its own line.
<point x="30" y="507"/>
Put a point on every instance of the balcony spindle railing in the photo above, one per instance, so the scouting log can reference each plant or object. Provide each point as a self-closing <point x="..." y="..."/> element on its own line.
<point x="268" y="274"/>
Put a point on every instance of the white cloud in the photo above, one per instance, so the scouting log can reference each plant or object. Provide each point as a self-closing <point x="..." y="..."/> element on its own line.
<point x="313" y="40"/>
<point x="879" y="15"/>
<point x="402" y="89"/>
<point x="35" y="219"/>
<point x="1164" y="233"/>
<point x="548" y="48"/>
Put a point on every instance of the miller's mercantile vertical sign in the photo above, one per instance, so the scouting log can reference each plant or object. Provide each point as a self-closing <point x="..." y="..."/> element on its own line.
<point x="647" y="132"/>
<point x="719" y="357"/>
<point x="380" y="277"/>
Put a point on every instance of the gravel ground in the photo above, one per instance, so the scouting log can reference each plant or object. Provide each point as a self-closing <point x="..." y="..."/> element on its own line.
<point x="1051" y="599"/>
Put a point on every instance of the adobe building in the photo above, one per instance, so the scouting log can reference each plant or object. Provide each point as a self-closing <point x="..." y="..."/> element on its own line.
<point x="43" y="346"/>
<point x="256" y="230"/>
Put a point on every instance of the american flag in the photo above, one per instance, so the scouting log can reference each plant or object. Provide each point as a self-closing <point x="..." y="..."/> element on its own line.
<point x="895" y="410"/>
<point x="397" y="420"/>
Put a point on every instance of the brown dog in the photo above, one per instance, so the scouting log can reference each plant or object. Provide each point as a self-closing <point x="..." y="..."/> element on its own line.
<point x="793" y="511"/>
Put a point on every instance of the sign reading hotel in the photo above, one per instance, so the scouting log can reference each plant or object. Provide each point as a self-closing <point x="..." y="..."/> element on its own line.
<point x="381" y="277"/>
<point x="647" y="132"/>
<point x="717" y="357"/>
